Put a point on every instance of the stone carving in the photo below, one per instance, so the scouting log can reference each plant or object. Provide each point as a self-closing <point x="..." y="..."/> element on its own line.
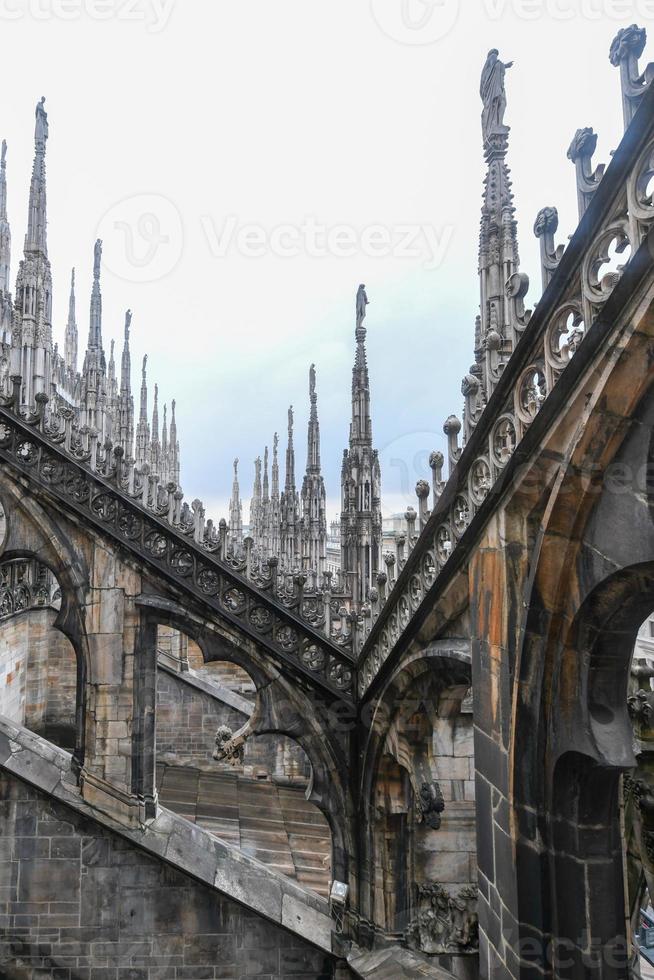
<point x="641" y="708"/>
<point x="429" y="805"/>
<point x="361" y="303"/>
<point x="628" y="42"/>
<point x="547" y="221"/>
<point x="227" y="748"/>
<point x="41" y="127"/>
<point x="26" y="584"/>
<point x="445" y="923"/>
<point x="626" y="48"/>
<point x="493" y="96"/>
<point x="580" y="151"/>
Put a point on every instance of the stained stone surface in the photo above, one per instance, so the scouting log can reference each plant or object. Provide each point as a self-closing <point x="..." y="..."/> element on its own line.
<point x="168" y="838"/>
<point x="80" y="903"/>
<point x="274" y="824"/>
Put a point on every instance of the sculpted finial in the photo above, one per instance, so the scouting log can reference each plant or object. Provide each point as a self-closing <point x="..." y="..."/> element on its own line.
<point x="361" y="303"/>
<point x="41" y="128"/>
<point x="97" y="256"/>
<point x="236" y="467"/>
<point x="628" y="41"/>
<point x="145" y="361"/>
<point x="290" y="421"/>
<point x="493" y="96"/>
<point x="3" y="158"/>
<point x="312" y="382"/>
<point x="128" y="323"/>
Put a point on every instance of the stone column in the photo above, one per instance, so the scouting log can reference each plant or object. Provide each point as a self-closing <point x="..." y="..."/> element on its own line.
<point x="144" y="751"/>
<point x="121" y="658"/>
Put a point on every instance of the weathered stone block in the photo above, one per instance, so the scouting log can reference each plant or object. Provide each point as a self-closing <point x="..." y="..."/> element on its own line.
<point x="48" y="881"/>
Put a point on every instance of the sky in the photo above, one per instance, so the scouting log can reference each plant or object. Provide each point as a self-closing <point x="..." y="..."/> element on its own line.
<point x="248" y="163"/>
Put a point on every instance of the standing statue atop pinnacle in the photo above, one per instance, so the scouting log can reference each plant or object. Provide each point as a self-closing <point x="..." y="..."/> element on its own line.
<point x="361" y="303"/>
<point x="236" y="468"/>
<point x="41" y="128"/>
<point x="97" y="257"/>
<point x="312" y="383"/>
<point x="493" y="96"/>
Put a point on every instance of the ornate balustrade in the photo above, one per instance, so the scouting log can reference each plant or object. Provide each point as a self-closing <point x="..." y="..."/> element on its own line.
<point x="616" y="213"/>
<point x="171" y="538"/>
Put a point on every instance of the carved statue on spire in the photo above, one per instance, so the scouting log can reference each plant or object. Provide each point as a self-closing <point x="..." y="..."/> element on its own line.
<point x="97" y="256"/>
<point x="41" y="128"/>
<point x="236" y="468"/>
<point x="290" y="422"/>
<point x="493" y="96"/>
<point x="361" y="303"/>
<point x="312" y="383"/>
<point x="128" y="321"/>
<point x="145" y="361"/>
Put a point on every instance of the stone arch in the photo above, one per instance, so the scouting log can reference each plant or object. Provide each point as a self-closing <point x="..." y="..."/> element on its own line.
<point x="38" y="683"/>
<point x="32" y="531"/>
<point x="589" y="586"/>
<point x="576" y="816"/>
<point x="407" y="787"/>
<point x="283" y="709"/>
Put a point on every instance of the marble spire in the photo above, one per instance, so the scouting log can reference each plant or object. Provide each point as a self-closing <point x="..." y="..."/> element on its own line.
<point x="155" y="444"/>
<point x="361" y="519"/>
<point x="275" y="501"/>
<point x="265" y="508"/>
<point x="235" y="537"/>
<point x="95" y="318"/>
<point x="126" y="401"/>
<point x="361" y="425"/>
<point x="71" y="339"/>
<point x="313" y="496"/>
<point x="32" y="326"/>
<point x="36" y="235"/>
<point x="94" y="371"/>
<point x="289" y="486"/>
<point x="290" y="507"/>
<point x="143" y="427"/>
<point x="498" y="239"/>
<point x="5" y="231"/>
<point x="173" y="447"/>
<point x="256" y="522"/>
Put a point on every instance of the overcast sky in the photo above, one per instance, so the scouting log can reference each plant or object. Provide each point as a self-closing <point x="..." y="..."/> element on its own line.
<point x="249" y="163"/>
